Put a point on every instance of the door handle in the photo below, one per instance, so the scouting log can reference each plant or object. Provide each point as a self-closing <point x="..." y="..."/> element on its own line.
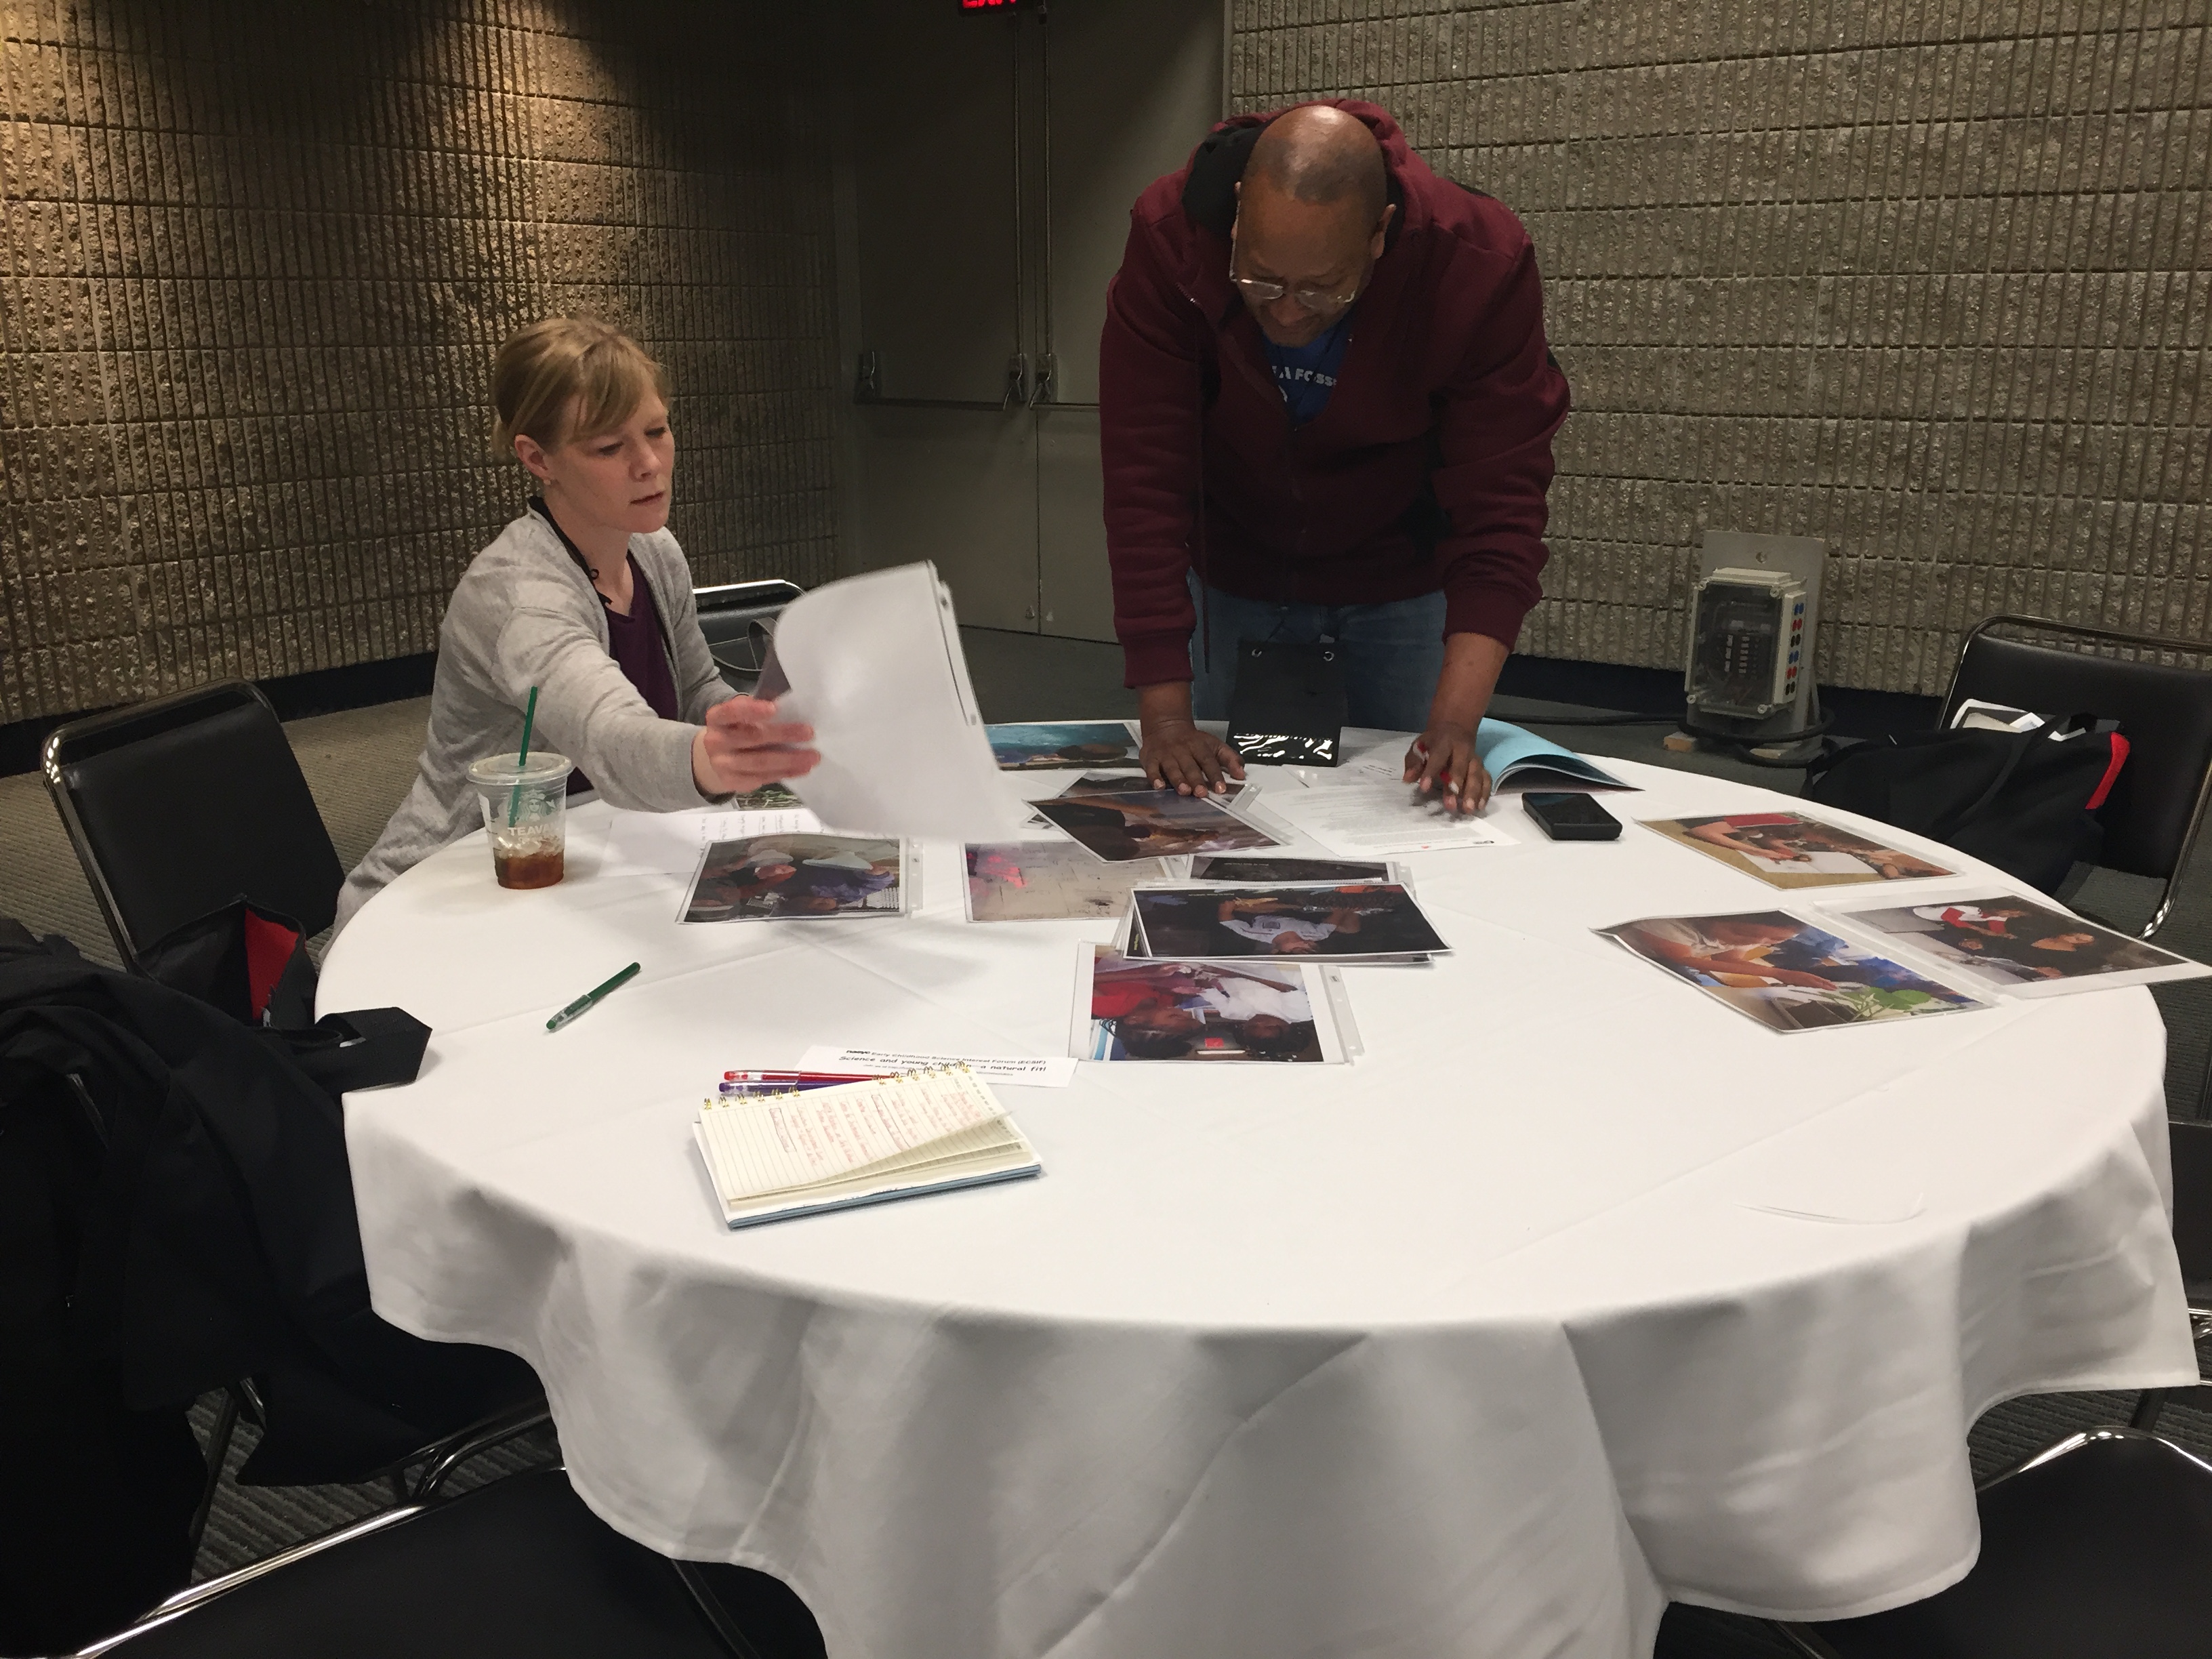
<point x="1017" y="382"/>
<point x="1041" y="389"/>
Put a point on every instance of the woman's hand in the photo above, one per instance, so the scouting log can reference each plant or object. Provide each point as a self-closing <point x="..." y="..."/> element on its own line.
<point x="1176" y="753"/>
<point x="743" y="746"/>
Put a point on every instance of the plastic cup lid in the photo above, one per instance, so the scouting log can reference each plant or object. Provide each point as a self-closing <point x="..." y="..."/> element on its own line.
<point x="543" y="767"/>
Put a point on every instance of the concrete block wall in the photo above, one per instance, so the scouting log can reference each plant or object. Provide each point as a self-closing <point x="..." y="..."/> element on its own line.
<point x="1929" y="279"/>
<point x="255" y="260"/>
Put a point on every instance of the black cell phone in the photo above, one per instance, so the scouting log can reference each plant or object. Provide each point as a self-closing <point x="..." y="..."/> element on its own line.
<point x="1570" y="816"/>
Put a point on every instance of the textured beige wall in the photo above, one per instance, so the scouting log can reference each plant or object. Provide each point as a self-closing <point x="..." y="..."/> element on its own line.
<point x="255" y="260"/>
<point x="1926" y="278"/>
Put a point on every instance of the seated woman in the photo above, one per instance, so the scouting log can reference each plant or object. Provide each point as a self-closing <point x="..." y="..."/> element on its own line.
<point x="587" y="597"/>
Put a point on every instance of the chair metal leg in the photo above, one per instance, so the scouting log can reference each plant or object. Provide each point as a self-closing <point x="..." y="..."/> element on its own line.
<point x="716" y="1616"/>
<point x="2147" y="1410"/>
<point x="218" y="1452"/>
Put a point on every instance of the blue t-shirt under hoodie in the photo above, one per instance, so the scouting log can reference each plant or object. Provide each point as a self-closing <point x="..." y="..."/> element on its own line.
<point x="1307" y="374"/>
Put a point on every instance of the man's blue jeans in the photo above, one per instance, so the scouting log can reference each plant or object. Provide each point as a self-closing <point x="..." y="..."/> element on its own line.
<point x="1392" y="653"/>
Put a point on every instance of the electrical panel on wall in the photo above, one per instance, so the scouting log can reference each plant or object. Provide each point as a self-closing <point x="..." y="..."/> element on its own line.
<point x="1754" y="613"/>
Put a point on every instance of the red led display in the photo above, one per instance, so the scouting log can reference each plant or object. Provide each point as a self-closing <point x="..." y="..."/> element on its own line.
<point x="988" y="5"/>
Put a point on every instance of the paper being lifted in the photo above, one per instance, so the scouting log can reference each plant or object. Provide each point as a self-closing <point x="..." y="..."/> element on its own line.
<point x="861" y="1143"/>
<point x="873" y="662"/>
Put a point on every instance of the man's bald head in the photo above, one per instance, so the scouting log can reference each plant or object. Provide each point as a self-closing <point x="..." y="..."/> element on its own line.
<point x="1323" y="156"/>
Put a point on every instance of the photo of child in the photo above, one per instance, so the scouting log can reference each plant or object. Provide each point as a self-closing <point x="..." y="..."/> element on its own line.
<point x="1149" y="824"/>
<point x="2006" y="943"/>
<point x="1052" y="747"/>
<point x="1787" y="849"/>
<point x="807" y="875"/>
<point x="1050" y="881"/>
<point x="1785" y="973"/>
<point x="1352" y="919"/>
<point x="1193" y="1010"/>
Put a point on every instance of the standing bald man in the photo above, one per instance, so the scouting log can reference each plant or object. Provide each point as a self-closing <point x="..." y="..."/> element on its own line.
<point x="1327" y="410"/>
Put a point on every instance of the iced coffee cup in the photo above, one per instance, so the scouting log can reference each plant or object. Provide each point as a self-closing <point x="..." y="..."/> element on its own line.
<point x="525" y="813"/>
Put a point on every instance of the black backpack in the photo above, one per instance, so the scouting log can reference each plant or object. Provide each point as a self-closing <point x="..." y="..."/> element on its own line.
<point x="2025" y="801"/>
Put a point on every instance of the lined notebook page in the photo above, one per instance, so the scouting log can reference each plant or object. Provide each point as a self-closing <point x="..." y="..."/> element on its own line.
<point x="787" y="1142"/>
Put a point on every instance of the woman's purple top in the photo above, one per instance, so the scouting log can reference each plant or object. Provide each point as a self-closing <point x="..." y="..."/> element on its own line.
<point x="636" y="642"/>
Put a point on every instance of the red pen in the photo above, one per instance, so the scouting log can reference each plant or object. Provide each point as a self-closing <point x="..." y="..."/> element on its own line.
<point x="793" y="1076"/>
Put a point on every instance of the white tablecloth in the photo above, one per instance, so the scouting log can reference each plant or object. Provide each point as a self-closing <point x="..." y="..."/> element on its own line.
<point x="1479" y="1347"/>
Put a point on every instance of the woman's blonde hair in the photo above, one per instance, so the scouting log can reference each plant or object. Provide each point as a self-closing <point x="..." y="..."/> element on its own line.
<point x="568" y="377"/>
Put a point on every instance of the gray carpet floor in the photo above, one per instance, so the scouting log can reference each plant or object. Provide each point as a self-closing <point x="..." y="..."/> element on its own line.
<point x="359" y="764"/>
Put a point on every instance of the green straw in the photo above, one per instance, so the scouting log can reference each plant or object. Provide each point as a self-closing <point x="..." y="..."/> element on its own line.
<point x="515" y="795"/>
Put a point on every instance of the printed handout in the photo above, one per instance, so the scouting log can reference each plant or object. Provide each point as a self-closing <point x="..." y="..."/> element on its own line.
<point x="1064" y="743"/>
<point x="1275" y="871"/>
<point x="784" y="876"/>
<point x="1999" y="941"/>
<point x="1350" y="921"/>
<point x="1123" y="825"/>
<point x="1136" y="783"/>
<point x="1784" y="972"/>
<point x="1364" y="819"/>
<point x="671" y="842"/>
<point x="1051" y="880"/>
<point x="1788" y="849"/>
<point x="1214" y="1013"/>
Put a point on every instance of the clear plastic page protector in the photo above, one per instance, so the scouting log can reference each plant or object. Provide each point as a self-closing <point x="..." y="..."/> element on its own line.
<point x="873" y="662"/>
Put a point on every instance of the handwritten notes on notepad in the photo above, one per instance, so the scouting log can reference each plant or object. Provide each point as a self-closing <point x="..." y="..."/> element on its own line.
<point x="861" y="1143"/>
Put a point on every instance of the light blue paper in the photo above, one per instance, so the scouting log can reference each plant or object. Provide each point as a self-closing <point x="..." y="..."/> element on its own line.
<point x="1506" y="750"/>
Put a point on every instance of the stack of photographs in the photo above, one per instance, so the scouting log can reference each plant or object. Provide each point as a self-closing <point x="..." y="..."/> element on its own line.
<point x="1122" y="819"/>
<point x="1788" y="849"/>
<point x="1347" y="922"/>
<point x="1280" y="872"/>
<point x="2000" y="942"/>
<point x="1785" y="972"/>
<point x="1061" y="745"/>
<point x="798" y="877"/>
<point x="1128" y="1009"/>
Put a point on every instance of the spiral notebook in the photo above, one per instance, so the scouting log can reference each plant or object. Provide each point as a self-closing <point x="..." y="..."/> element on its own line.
<point x="775" y="1158"/>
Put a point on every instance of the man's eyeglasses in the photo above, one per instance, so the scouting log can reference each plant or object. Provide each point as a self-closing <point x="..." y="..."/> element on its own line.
<point x="1266" y="293"/>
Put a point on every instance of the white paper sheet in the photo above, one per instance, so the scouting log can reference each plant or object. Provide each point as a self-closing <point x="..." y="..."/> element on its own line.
<point x="1364" y="819"/>
<point x="671" y="842"/>
<point x="1044" y="1072"/>
<point x="873" y="664"/>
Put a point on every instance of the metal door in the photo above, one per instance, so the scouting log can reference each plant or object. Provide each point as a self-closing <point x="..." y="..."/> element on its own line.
<point x="993" y="155"/>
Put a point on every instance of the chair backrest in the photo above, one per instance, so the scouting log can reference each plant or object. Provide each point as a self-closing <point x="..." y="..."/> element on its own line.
<point x="179" y="805"/>
<point x="2165" y="713"/>
<point x="737" y="619"/>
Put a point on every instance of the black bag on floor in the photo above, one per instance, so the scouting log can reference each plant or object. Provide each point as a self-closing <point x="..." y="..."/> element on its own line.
<point x="2025" y="801"/>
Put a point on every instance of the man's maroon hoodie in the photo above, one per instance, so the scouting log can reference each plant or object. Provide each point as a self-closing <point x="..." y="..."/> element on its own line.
<point x="1426" y="469"/>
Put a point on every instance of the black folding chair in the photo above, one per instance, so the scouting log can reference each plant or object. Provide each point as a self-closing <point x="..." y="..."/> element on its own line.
<point x="2095" y="1546"/>
<point x="179" y="805"/>
<point x="739" y="618"/>
<point x="516" y="1570"/>
<point x="2156" y="808"/>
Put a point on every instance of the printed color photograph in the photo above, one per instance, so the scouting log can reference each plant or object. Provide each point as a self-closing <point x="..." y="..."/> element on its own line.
<point x="1050" y="881"/>
<point x="1159" y="1010"/>
<point x="767" y="877"/>
<point x="1786" y="974"/>
<point x="1056" y="747"/>
<point x="1787" y="849"/>
<point x="1149" y="823"/>
<point x="2003" y="942"/>
<point x="1352" y="920"/>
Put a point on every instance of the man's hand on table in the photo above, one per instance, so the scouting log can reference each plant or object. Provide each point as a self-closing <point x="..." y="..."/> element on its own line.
<point x="1174" y="753"/>
<point x="1443" y="762"/>
<point x="743" y="746"/>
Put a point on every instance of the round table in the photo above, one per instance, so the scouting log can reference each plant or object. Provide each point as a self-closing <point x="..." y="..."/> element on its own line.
<point x="1486" y="1345"/>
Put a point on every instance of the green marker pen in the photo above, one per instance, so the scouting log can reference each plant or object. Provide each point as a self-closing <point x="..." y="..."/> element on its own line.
<point x="589" y="998"/>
